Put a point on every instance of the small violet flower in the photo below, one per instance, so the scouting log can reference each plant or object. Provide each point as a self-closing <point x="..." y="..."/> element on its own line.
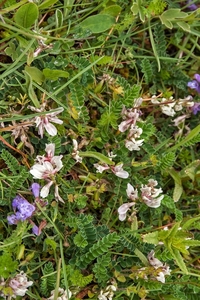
<point x="195" y="84"/>
<point x="195" y="108"/>
<point x="192" y="6"/>
<point x="35" y="188"/>
<point x="45" y="121"/>
<point x="23" y="210"/>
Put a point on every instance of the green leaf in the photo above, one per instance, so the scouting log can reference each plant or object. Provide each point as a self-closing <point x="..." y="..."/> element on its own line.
<point x="26" y="15"/>
<point x="31" y="91"/>
<point x="54" y="74"/>
<point x="178" y="189"/>
<point x="179" y="260"/>
<point x="112" y="10"/>
<point x="47" y="4"/>
<point x="173" y="13"/>
<point x="7" y="265"/>
<point x="185" y="26"/>
<point x="98" y="23"/>
<point x="151" y="238"/>
<point x="59" y="18"/>
<point x="35" y="74"/>
<point x="193" y="133"/>
<point x="103" y="61"/>
<point x="51" y="243"/>
<point x="97" y="155"/>
<point x="80" y="241"/>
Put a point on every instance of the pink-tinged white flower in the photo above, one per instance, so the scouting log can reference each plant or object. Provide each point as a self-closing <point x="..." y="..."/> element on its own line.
<point x="101" y="168"/>
<point x="44" y="122"/>
<point x="119" y="171"/>
<point x="130" y="116"/>
<point x="47" y="168"/>
<point x="75" y="153"/>
<point x="131" y="192"/>
<point x="19" y="284"/>
<point x="163" y="269"/>
<point x="150" y="195"/>
<point x="122" y="210"/>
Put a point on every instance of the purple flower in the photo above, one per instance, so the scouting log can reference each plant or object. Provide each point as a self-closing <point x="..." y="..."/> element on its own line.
<point x="192" y="6"/>
<point x="195" y="84"/>
<point x="195" y="108"/>
<point x="23" y="210"/>
<point x="35" y="230"/>
<point x="35" y="188"/>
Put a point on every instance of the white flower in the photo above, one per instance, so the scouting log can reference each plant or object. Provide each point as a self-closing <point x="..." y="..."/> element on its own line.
<point x="130" y="116"/>
<point x="150" y="194"/>
<point x="20" y="284"/>
<point x="45" y="121"/>
<point x="101" y="168"/>
<point x="119" y="172"/>
<point x="46" y="168"/>
<point x="157" y="264"/>
<point x="108" y="293"/>
<point x="62" y="295"/>
<point x="167" y="110"/>
<point x="124" y="125"/>
<point x="131" y="192"/>
<point x="133" y="144"/>
<point x="122" y="210"/>
<point x="75" y="153"/>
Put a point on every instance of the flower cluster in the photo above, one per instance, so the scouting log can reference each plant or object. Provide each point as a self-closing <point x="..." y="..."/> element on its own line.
<point x="117" y="170"/>
<point x="17" y="286"/>
<point x="46" y="168"/>
<point x="130" y="117"/>
<point x="23" y="210"/>
<point x="162" y="269"/>
<point x="171" y="106"/>
<point x="149" y="195"/>
<point x="62" y="295"/>
<point x="45" y="121"/>
<point x="108" y="293"/>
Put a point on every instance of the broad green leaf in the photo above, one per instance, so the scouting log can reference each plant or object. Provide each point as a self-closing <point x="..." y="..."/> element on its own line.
<point x="47" y="4"/>
<point x="54" y="74"/>
<point x="97" y="155"/>
<point x="141" y="256"/>
<point x="119" y="276"/>
<point x="178" y="190"/>
<point x="26" y="15"/>
<point x="112" y="10"/>
<point x="173" y="13"/>
<point x="135" y="9"/>
<point x="185" y="26"/>
<point x="175" y="175"/>
<point x="31" y="91"/>
<point x="59" y="18"/>
<point x="35" y="74"/>
<point x="98" y="23"/>
<point x="151" y="238"/>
